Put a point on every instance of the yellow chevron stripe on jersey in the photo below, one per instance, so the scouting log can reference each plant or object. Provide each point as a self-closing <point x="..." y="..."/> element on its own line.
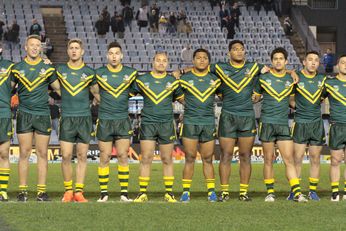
<point x="271" y="91"/>
<point x="312" y="98"/>
<point x="32" y="85"/>
<point x="4" y="76"/>
<point x="118" y="90"/>
<point x="336" y="95"/>
<point x="199" y="95"/>
<point x="74" y="90"/>
<point x="162" y="95"/>
<point x="242" y="84"/>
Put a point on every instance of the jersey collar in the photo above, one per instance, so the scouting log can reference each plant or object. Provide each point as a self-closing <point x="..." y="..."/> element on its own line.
<point x="199" y="74"/>
<point x="158" y="76"/>
<point x="32" y="62"/>
<point x="307" y="75"/>
<point x="76" y="68"/>
<point x="340" y="79"/>
<point x="278" y="75"/>
<point x="115" y="70"/>
<point x="237" y="66"/>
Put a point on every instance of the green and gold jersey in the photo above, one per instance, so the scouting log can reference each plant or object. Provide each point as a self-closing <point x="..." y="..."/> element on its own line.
<point x="308" y="97"/>
<point x="5" y="88"/>
<point x="33" y="79"/>
<point x="199" y="91"/>
<point x="237" y="86"/>
<point x="336" y="93"/>
<point x="75" y="85"/>
<point x="159" y="92"/>
<point x="114" y="91"/>
<point x="276" y="90"/>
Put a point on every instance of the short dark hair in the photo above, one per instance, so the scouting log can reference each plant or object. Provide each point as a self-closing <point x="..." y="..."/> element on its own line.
<point x="279" y="50"/>
<point x="341" y="56"/>
<point x="312" y="52"/>
<point x="114" y="44"/>
<point x="231" y="43"/>
<point x="201" y="50"/>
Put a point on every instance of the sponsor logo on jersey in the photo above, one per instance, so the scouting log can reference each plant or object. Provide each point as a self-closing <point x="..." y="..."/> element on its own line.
<point x="191" y="82"/>
<point x="287" y="84"/>
<point x="269" y="81"/>
<point x="32" y="69"/>
<point x="336" y="87"/>
<point x="301" y="85"/>
<point x="147" y="84"/>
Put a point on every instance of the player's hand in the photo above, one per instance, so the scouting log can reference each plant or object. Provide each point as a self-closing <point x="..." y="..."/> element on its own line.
<point x="265" y="69"/>
<point x="294" y="76"/>
<point x="176" y="74"/>
<point x="47" y="61"/>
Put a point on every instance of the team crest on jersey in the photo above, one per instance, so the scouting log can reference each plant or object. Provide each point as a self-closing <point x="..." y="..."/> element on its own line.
<point x="269" y="81"/>
<point x="287" y="84"/>
<point x="22" y="72"/>
<point x="168" y="86"/>
<point x="212" y="83"/>
<point x="2" y="73"/>
<point x="319" y="84"/>
<point x="104" y="77"/>
<point x="191" y="82"/>
<point x="42" y="73"/>
<point x="83" y="77"/>
<point x="336" y="87"/>
<point x="301" y="85"/>
<point x="126" y="79"/>
<point x="147" y="85"/>
<point x="247" y="73"/>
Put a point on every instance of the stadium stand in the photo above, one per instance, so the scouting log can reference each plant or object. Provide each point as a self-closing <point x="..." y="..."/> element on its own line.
<point x="260" y="31"/>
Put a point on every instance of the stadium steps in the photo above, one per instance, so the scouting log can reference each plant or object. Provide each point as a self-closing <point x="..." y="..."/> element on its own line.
<point x="296" y="41"/>
<point x="56" y="31"/>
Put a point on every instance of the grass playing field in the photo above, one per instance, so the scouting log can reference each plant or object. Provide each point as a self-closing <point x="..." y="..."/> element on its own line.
<point x="157" y="215"/>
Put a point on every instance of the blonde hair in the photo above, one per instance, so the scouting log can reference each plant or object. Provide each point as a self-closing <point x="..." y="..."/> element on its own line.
<point x="76" y="40"/>
<point x="33" y="36"/>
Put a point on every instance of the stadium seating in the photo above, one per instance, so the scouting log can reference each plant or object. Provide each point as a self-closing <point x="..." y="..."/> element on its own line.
<point x="260" y="32"/>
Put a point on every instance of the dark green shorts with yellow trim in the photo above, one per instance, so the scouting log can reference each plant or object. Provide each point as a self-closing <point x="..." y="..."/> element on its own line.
<point x="163" y="133"/>
<point x="27" y="123"/>
<point x="75" y="129"/>
<point x="110" y="130"/>
<point x="6" y="129"/>
<point x="337" y="136"/>
<point x="234" y="126"/>
<point x="273" y="132"/>
<point x="202" y="133"/>
<point x="309" y="133"/>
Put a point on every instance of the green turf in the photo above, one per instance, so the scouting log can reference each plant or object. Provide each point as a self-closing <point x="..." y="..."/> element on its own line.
<point x="157" y="215"/>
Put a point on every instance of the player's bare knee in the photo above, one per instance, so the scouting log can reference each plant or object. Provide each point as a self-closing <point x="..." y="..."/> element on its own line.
<point x="334" y="162"/>
<point x="207" y="159"/>
<point x="226" y="157"/>
<point x="244" y="157"/>
<point x="166" y="160"/>
<point x="190" y="158"/>
<point x="82" y="157"/>
<point x="146" y="159"/>
<point x="66" y="158"/>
